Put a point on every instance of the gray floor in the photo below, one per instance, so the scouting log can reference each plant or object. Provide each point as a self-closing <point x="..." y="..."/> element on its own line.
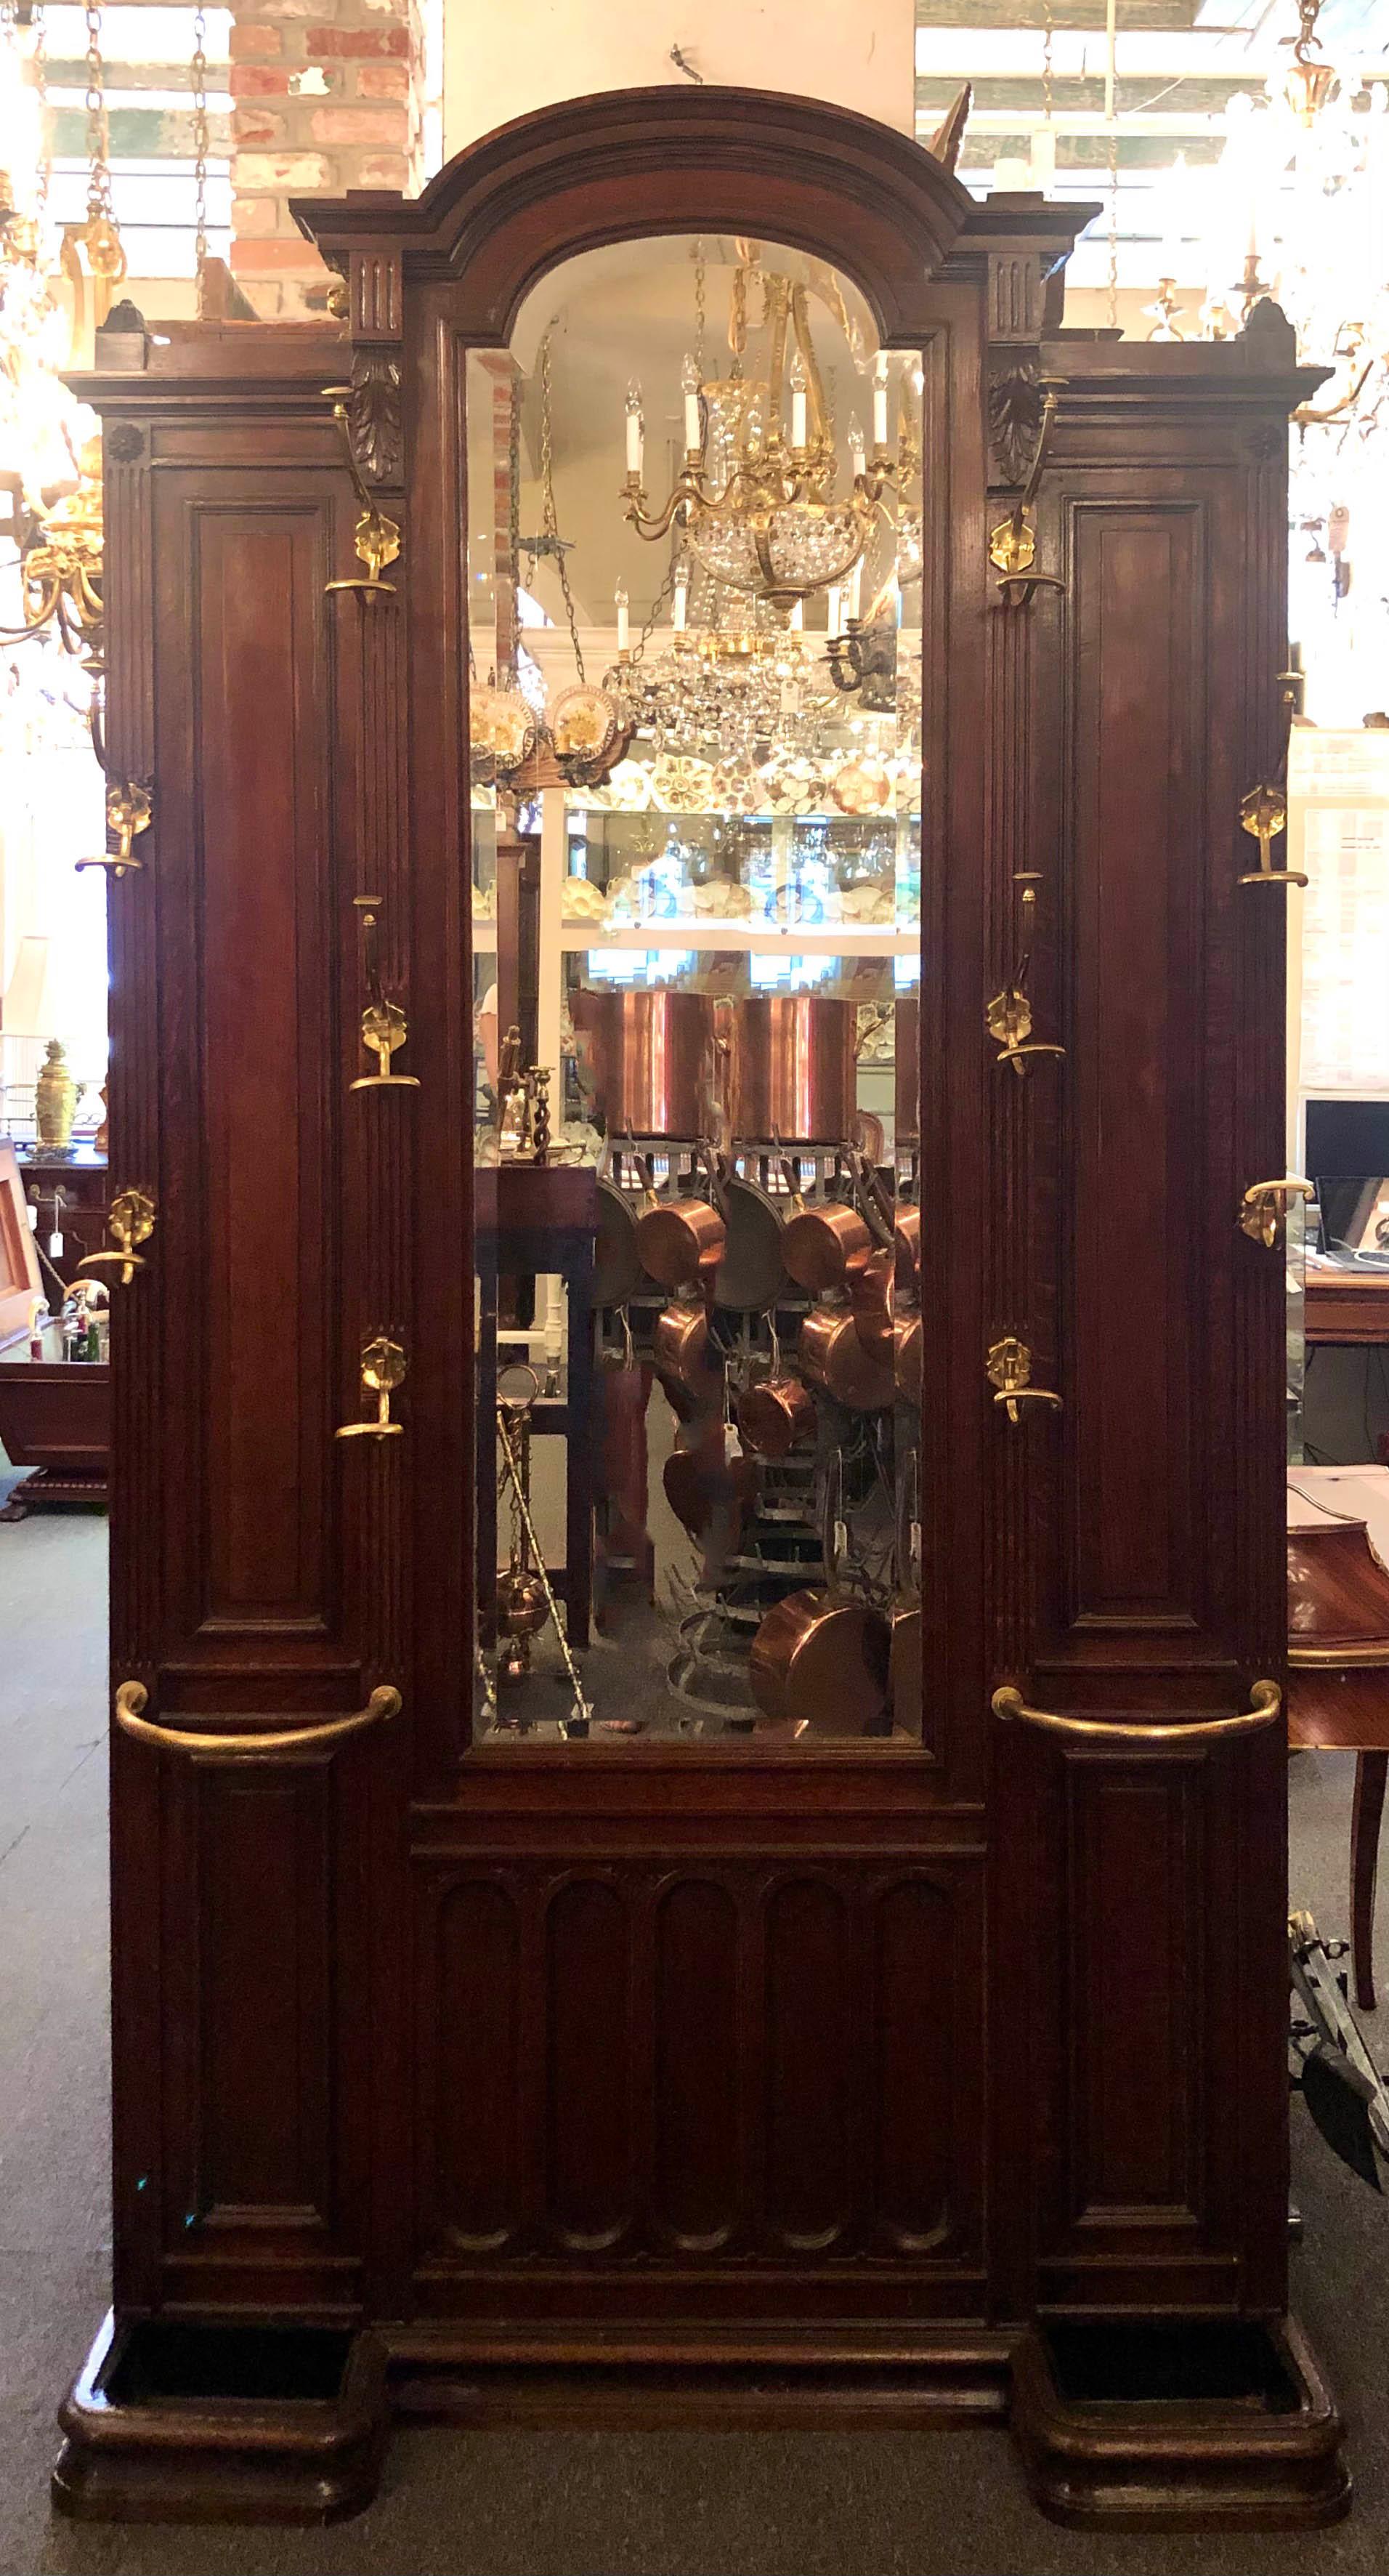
<point x="559" y="2504"/>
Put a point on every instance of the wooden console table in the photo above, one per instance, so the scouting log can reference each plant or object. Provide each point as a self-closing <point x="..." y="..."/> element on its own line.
<point x="55" y="1418"/>
<point x="1346" y="1306"/>
<point x="1338" y="1658"/>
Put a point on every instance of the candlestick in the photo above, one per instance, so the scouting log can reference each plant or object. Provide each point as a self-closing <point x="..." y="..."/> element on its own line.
<point x="854" y="591"/>
<point x="834" y="610"/>
<point x="681" y="599"/>
<point x="796" y="620"/>
<point x="798" y="385"/>
<point x="620" y="600"/>
<point x="636" y="432"/>
<point x="880" y="401"/>
<point x="689" y="378"/>
<point x="856" y="444"/>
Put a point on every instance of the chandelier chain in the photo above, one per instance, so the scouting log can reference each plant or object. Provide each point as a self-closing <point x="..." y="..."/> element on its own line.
<point x="509" y="642"/>
<point x="99" y="206"/>
<point x="549" y="520"/>
<point x="581" y="1705"/>
<point x="1048" y="32"/>
<point x="1113" y="282"/>
<point x="698" y="256"/>
<point x="200" y="140"/>
<point x="40" y="60"/>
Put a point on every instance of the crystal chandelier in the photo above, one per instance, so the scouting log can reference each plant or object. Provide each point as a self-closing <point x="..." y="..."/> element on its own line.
<point x="760" y="508"/>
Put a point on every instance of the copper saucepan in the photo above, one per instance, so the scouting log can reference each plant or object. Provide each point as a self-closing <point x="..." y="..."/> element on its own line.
<point x="680" y="1240"/>
<point x="682" y="1355"/>
<point x="708" y="1491"/>
<point x="825" y="1244"/>
<point x="821" y="1663"/>
<point x="776" y="1411"/>
<point x="833" y="1357"/>
<point x="907" y="1238"/>
<point x="871" y="1297"/>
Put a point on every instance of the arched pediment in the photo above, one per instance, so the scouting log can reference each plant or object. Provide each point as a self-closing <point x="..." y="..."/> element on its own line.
<point x="626" y="163"/>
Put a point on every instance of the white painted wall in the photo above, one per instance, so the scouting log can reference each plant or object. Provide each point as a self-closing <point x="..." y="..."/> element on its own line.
<point x="501" y="62"/>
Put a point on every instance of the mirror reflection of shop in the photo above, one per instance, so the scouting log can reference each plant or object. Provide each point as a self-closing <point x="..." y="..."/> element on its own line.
<point x="696" y="805"/>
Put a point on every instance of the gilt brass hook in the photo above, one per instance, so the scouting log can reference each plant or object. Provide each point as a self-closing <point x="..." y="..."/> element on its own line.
<point x="1009" y="1368"/>
<point x="1264" y="1207"/>
<point x="1009" y="1020"/>
<point x="130" y="1219"/>
<point x="1013" y="543"/>
<point x="375" y="538"/>
<point x="1263" y="815"/>
<point x="384" y="1026"/>
<point x="129" y="810"/>
<point x="383" y="1369"/>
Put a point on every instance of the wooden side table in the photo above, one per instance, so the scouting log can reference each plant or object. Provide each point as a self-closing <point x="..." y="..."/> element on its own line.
<point x="55" y="1418"/>
<point x="1338" y="1660"/>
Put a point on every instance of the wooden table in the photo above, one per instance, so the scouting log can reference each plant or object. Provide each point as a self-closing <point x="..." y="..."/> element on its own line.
<point x="55" y="1417"/>
<point x="1346" y="1306"/>
<point x="1343" y="1706"/>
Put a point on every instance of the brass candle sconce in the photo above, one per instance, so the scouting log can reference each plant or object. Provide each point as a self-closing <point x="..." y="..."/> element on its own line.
<point x="129" y="811"/>
<point x="1013" y="543"/>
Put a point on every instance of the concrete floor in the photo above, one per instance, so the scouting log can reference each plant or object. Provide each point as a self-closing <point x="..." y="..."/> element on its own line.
<point x="539" y="2504"/>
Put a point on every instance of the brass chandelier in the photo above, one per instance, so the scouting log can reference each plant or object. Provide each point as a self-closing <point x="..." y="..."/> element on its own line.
<point x="760" y="508"/>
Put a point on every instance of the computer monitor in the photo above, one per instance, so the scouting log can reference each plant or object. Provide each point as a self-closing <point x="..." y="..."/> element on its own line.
<point x="1347" y="1154"/>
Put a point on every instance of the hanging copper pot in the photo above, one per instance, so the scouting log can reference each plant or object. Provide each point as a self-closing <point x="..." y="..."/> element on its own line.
<point x="680" y="1240"/>
<point x="776" y="1411"/>
<point x="681" y="1352"/>
<point x="792" y="1068"/>
<point x="834" y="1358"/>
<point x="616" y="1260"/>
<point x="709" y="1492"/>
<point x="825" y="1243"/>
<point x="906" y="1046"/>
<point x="650" y="1058"/>
<point x="871" y="1304"/>
<point x="906" y="1235"/>
<point x="821" y="1664"/>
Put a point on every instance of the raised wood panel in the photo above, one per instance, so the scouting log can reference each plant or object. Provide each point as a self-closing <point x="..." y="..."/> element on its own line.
<point x="808" y="2058"/>
<point x="588" y="2123"/>
<point x="1137" y="1066"/>
<point x="1128" y="1997"/>
<point x="471" y="2124"/>
<point x="249" y="1228"/>
<point x="264" y="2030"/>
<point x="916" y="1997"/>
<point x="697" y="2104"/>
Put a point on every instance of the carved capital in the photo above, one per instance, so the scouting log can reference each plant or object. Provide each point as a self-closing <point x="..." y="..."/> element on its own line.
<point x="1015" y="417"/>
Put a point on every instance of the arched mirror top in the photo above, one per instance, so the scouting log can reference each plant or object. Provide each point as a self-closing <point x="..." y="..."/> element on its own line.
<point x="630" y="163"/>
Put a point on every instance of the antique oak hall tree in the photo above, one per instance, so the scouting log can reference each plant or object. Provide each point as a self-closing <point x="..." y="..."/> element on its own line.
<point x="771" y="2070"/>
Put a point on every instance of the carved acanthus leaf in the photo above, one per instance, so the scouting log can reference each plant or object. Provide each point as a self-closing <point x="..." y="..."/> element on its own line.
<point x="1015" y="415"/>
<point x="373" y="418"/>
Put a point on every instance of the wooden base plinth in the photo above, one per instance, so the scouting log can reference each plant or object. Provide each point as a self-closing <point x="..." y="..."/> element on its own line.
<point x="52" y="1489"/>
<point x="1184" y="2425"/>
<point x="187" y="2423"/>
<point x="637" y="2380"/>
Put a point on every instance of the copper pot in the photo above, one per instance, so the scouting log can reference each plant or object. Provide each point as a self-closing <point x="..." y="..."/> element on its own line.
<point x="907" y="1238"/>
<point x="833" y="1356"/>
<point x="651" y="1056"/>
<point x="871" y="1304"/>
<point x="792" y="1069"/>
<point x="680" y="1240"/>
<point x="680" y="1348"/>
<point x="709" y="1492"/>
<point x="906" y="1047"/>
<point x="823" y="1245"/>
<point x="775" y="1413"/>
<point x="821" y="1664"/>
<point x="908" y="1357"/>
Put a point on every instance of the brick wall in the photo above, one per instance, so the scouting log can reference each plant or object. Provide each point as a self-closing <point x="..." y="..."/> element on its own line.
<point x="326" y="96"/>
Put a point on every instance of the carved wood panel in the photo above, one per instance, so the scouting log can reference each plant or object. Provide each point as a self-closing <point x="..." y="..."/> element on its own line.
<point x="702" y="2065"/>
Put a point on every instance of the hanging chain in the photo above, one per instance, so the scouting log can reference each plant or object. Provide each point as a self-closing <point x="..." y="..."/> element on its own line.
<point x="697" y="255"/>
<point x="99" y="206"/>
<point x="549" y="521"/>
<point x="200" y="141"/>
<point x="40" y="61"/>
<point x="1113" y="228"/>
<point x="581" y="1706"/>
<point x="1048" y="31"/>
<point x="509" y="645"/>
<point x="663" y="595"/>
